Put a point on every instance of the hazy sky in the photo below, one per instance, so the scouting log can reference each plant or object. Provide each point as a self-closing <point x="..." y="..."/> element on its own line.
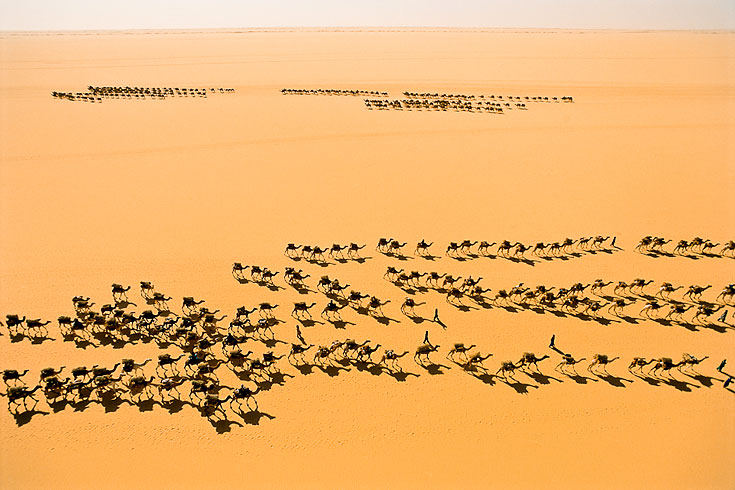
<point x="154" y="14"/>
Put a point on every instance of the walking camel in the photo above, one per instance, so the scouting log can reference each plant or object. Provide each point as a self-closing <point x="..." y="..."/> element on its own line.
<point x="600" y="361"/>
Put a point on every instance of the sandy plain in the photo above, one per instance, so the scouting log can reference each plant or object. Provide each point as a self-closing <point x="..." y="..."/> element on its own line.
<point x="174" y="191"/>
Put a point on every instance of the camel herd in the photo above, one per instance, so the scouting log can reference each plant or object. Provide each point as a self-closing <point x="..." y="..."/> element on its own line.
<point x="469" y="97"/>
<point x="442" y="105"/>
<point x="696" y="247"/>
<point x="332" y="91"/>
<point x="201" y="347"/>
<point x="97" y="94"/>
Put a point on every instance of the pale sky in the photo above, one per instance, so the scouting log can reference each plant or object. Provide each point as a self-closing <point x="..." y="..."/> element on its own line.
<point x="174" y="14"/>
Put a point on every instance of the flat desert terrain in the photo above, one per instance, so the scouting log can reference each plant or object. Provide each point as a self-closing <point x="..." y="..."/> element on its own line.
<point x="175" y="190"/>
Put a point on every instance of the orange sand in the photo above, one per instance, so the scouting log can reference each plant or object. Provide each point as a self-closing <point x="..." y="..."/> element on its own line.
<point x="174" y="191"/>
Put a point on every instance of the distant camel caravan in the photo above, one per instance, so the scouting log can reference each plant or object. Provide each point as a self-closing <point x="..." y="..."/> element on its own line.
<point x="694" y="248"/>
<point x="333" y="91"/>
<point x="98" y="94"/>
<point x="492" y="103"/>
<point x="316" y="254"/>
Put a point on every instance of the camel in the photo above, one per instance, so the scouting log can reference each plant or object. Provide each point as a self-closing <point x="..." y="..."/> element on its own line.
<point x="53" y="387"/>
<point x="167" y="385"/>
<point x="13" y="375"/>
<point x="422" y="248"/>
<point x="459" y="348"/>
<point x="383" y="245"/>
<point x="530" y="359"/>
<point x="331" y="311"/>
<point x="505" y="247"/>
<point x="650" y="306"/>
<point x="728" y="247"/>
<point x="267" y="275"/>
<point x="705" y="311"/>
<point x="391" y="274"/>
<point x="694" y="293"/>
<point x="336" y="288"/>
<point x="506" y="370"/>
<point x="199" y="387"/>
<point x="50" y="372"/>
<point x="665" y="290"/>
<point x="689" y="362"/>
<point x="677" y="310"/>
<point x="324" y="354"/>
<point x="394" y="247"/>
<point x="432" y="280"/>
<point x="475" y="361"/>
<point x="375" y="306"/>
<point x="295" y="277"/>
<point x="454" y="297"/>
<point x="355" y="299"/>
<point x="98" y="371"/>
<point x="335" y="251"/>
<point x="292" y="250"/>
<point x="213" y="404"/>
<point x="449" y="281"/>
<point x="664" y="365"/>
<point x="243" y="393"/>
<point x="390" y="360"/>
<point x="644" y="244"/>
<point x="452" y="249"/>
<point x="365" y="353"/>
<point x="681" y="247"/>
<point x="600" y="361"/>
<point x="484" y="248"/>
<point x="639" y="284"/>
<point x="165" y="362"/>
<point x="423" y="351"/>
<point x="620" y="286"/>
<point x="119" y="293"/>
<point x="139" y="385"/>
<point x="266" y="310"/>
<point x="567" y="360"/>
<point x="17" y="394"/>
<point x="301" y="310"/>
<point x="129" y="366"/>
<point x="353" y="252"/>
<point x="190" y="306"/>
<point x="727" y="294"/>
<point x="407" y="308"/>
<point x="298" y="350"/>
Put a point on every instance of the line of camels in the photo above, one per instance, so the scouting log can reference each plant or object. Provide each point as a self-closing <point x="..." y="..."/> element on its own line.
<point x="467" y="294"/>
<point x="191" y="378"/>
<point x="459" y="250"/>
<point x="98" y="94"/>
<point x="510" y="98"/>
<point x="442" y="105"/>
<point x="333" y="91"/>
<point x="653" y="246"/>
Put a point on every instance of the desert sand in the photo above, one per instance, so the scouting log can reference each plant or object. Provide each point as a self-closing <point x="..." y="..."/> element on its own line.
<point x="174" y="191"/>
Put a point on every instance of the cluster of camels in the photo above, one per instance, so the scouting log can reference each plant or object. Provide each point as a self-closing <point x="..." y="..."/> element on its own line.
<point x="333" y="91"/>
<point x="442" y="105"/>
<point x="654" y="246"/>
<point x="604" y="296"/>
<point x="201" y="352"/>
<point x="97" y="94"/>
<point x="470" y="97"/>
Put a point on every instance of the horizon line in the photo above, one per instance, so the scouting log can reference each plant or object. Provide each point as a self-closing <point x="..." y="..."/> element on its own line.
<point x="355" y="29"/>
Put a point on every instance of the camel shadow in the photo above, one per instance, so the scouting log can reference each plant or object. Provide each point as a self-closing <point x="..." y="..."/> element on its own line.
<point x="434" y="369"/>
<point x="331" y="370"/>
<point x="253" y="417"/>
<point x="400" y="257"/>
<point x="302" y="289"/>
<point x="146" y="405"/>
<point x="614" y="380"/>
<point x="271" y="343"/>
<point x="578" y="378"/>
<point x="518" y="386"/>
<point x="484" y="377"/>
<point x="305" y="369"/>
<point x="384" y="320"/>
<point x="341" y="324"/>
<point x="418" y="319"/>
<point x="430" y="258"/>
<point x="224" y="425"/>
<point x="541" y="378"/>
<point x="39" y="339"/>
<point x="463" y="308"/>
<point x="648" y="379"/>
<point x="361" y="260"/>
<point x="24" y="417"/>
<point x="705" y="381"/>
<point x="679" y="385"/>
<point x="308" y="322"/>
<point x="401" y="375"/>
<point x="112" y="403"/>
<point x="174" y="405"/>
<point x="630" y="319"/>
